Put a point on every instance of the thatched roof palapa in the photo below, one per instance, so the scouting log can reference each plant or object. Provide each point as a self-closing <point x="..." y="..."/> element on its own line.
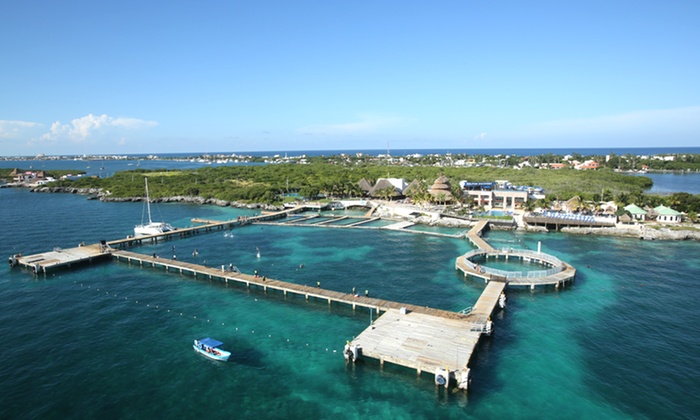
<point x="415" y="184"/>
<point x="383" y="184"/>
<point x="365" y="185"/>
<point x="442" y="186"/>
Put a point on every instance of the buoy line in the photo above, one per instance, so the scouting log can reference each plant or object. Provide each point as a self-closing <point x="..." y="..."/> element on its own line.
<point x="101" y="291"/>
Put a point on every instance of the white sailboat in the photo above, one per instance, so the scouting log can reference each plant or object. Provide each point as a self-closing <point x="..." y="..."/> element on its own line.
<point x="151" y="228"/>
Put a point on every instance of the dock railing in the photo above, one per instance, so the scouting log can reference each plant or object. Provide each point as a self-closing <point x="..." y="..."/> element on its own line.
<point x="557" y="265"/>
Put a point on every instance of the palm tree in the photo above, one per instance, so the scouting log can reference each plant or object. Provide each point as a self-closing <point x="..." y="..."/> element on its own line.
<point x="622" y="199"/>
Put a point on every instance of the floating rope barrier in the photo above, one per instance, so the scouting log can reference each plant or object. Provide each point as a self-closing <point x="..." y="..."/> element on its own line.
<point x="324" y="350"/>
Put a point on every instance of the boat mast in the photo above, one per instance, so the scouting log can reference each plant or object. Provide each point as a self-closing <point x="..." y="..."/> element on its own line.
<point x="148" y="201"/>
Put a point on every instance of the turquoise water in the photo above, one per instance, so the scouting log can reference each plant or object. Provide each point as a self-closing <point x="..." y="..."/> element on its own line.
<point x="494" y="213"/>
<point x="113" y="340"/>
<point x="437" y="229"/>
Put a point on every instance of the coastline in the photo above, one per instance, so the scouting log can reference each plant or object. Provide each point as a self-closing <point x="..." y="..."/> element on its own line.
<point x="645" y="233"/>
<point x="431" y="217"/>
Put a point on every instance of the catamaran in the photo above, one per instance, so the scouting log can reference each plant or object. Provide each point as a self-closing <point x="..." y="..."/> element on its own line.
<point x="210" y="348"/>
<point x="151" y="228"/>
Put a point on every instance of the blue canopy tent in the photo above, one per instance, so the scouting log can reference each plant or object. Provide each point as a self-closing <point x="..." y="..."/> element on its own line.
<point x="210" y="342"/>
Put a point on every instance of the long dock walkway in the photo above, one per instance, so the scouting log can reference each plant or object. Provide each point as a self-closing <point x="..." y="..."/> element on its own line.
<point x="268" y="284"/>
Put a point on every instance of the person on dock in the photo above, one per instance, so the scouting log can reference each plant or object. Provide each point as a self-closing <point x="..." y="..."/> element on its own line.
<point x="318" y="284"/>
<point x="367" y="293"/>
<point x="255" y="273"/>
<point x="353" y="291"/>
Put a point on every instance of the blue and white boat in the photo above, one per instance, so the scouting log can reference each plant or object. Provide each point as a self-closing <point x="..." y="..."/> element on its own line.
<point x="211" y="348"/>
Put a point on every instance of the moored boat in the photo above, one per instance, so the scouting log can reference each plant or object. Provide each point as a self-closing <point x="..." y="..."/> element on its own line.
<point x="211" y="349"/>
<point x="151" y="228"/>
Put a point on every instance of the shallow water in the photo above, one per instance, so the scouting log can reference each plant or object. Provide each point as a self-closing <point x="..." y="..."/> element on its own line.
<point x="113" y="339"/>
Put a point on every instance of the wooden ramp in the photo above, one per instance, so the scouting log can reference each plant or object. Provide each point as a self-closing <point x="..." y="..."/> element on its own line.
<point x="483" y="308"/>
<point x="474" y="235"/>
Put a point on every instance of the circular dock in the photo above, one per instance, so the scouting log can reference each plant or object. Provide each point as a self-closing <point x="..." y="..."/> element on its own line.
<point x="473" y="263"/>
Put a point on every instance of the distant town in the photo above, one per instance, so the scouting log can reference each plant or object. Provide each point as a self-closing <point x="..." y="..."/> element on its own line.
<point x="635" y="163"/>
<point x="462" y="185"/>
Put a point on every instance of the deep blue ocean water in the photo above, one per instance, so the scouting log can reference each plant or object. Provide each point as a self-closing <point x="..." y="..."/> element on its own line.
<point x="112" y="340"/>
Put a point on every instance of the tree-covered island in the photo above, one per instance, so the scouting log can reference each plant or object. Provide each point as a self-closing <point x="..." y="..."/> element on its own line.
<point x="339" y="176"/>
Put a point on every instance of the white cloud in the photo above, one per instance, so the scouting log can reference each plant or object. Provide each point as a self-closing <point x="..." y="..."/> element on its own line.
<point x="14" y="129"/>
<point x="81" y="129"/>
<point x="366" y="124"/>
<point x="480" y="136"/>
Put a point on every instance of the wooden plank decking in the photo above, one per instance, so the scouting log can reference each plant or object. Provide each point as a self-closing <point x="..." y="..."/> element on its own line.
<point x="413" y="336"/>
<point x="62" y="257"/>
<point x="419" y="341"/>
<point x="474" y="235"/>
<point x="266" y="284"/>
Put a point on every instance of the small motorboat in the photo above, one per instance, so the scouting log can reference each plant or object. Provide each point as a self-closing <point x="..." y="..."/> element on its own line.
<point x="211" y="349"/>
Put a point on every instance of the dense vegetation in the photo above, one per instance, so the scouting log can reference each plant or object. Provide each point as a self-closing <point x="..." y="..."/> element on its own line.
<point x="339" y="176"/>
<point x="265" y="183"/>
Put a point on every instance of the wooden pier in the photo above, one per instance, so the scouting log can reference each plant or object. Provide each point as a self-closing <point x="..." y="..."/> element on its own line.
<point x="416" y="337"/>
<point x="268" y="284"/>
<point x="412" y="336"/>
<point x="474" y="235"/>
<point x="59" y="257"/>
<point x="427" y="342"/>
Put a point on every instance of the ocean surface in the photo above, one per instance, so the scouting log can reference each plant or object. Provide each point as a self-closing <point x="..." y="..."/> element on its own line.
<point x="585" y="151"/>
<point x="113" y="340"/>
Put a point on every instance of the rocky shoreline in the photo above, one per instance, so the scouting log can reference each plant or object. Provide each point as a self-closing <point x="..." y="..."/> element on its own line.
<point x="662" y="233"/>
<point x="635" y="231"/>
<point x="99" y="195"/>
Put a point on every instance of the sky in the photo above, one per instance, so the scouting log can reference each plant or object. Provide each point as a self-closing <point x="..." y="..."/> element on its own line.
<point x="106" y="77"/>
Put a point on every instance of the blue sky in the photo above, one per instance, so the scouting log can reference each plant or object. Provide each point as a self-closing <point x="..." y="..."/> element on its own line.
<point x="233" y="76"/>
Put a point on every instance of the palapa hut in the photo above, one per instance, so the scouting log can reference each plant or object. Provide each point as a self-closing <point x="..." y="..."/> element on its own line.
<point x="365" y="186"/>
<point x="573" y="204"/>
<point x="382" y="187"/>
<point x="626" y="218"/>
<point x="413" y="187"/>
<point x="17" y="175"/>
<point x="441" y="189"/>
